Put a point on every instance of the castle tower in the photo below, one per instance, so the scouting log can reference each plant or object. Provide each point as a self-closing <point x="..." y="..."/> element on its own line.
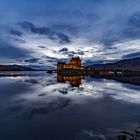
<point x="75" y="61"/>
<point x="60" y="66"/>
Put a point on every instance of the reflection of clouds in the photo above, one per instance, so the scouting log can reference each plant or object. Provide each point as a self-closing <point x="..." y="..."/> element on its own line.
<point x="112" y="89"/>
<point x="42" y="106"/>
<point x="45" y="95"/>
<point x="94" y="89"/>
<point x="48" y="107"/>
<point x="92" y="106"/>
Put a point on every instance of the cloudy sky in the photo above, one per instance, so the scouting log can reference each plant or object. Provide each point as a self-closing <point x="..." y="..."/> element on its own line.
<point x="42" y="32"/>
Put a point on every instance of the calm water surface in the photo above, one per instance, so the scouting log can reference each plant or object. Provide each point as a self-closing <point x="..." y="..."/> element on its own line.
<point x="37" y="107"/>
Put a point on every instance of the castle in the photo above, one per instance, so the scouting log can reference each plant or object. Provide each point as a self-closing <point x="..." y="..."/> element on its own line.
<point x="74" y="64"/>
<point x="73" y="72"/>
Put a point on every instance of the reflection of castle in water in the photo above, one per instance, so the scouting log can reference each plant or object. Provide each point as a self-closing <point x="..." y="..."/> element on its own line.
<point x="75" y="81"/>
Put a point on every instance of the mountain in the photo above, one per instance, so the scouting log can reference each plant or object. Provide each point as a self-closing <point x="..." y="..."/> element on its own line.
<point x="126" y="64"/>
<point x="15" y="68"/>
<point x="40" y="67"/>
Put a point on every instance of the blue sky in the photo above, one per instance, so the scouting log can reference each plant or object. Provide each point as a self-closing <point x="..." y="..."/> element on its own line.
<point x="42" y="32"/>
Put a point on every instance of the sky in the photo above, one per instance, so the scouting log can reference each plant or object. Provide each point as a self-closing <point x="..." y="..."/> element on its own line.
<point x="43" y="32"/>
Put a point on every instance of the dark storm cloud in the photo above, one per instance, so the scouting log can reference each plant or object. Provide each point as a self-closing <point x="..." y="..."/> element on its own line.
<point x="16" y="33"/>
<point x="68" y="52"/>
<point x="42" y="47"/>
<point x="132" y="29"/>
<point x="32" y="60"/>
<point x="66" y="28"/>
<point x="19" y="40"/>
<point x="123" y="28"/>
<point x="64" y="50"/>
<point x="12" y="52"/>
<point x="53" y="35"/>
<point x="132" y="55"/>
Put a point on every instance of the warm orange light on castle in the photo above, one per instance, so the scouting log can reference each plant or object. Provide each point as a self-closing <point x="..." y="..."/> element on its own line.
<point x="75" y="63"/>
<point x="72" y="72"/>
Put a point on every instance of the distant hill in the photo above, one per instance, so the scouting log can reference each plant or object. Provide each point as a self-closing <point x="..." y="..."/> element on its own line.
<point x="15" y="68"/>
<point x="126" y="64"/>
